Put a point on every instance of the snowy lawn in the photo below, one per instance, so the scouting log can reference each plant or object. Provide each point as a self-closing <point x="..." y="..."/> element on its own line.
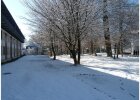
<point x="126" y="67"/>
<point x="40" y="78"/>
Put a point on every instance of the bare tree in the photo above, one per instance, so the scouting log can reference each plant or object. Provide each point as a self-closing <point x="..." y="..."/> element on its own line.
<point x="69" y="19"/>
<point x="106" y="29"/>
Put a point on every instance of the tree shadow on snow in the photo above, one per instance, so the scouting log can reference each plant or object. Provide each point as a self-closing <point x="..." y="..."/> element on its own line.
<point x="89" y="76"/>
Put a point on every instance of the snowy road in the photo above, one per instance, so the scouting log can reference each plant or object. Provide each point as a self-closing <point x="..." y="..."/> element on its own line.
<point x="40" y="78"/>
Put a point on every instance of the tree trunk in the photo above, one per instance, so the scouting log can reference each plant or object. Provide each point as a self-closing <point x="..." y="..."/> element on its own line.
<point x="118" y="49"/>
<point x="71" y="55"/>
<point x="117" y="53"/>
<point x="79" y="50"/>
<point x="94" y="49"/>
<point x="91" y="46"/>
<point x="95" y="52"/>
<point x="54" y="53"/>
<point x="106" y="31"/>
<point x="121" y="49"/>
<point x="120" y="27"/>
<point x="78" y="31"/>
<point x="73" y="52"/>
<point x="50" y="53"/>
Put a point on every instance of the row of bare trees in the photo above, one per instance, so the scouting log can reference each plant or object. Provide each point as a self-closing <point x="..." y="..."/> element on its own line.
<point x="72" y="26"/>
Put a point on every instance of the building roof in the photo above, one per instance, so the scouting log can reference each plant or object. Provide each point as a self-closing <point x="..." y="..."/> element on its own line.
<point x="9" y="24"/>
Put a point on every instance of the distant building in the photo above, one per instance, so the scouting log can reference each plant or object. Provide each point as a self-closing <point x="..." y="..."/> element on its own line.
<point x="23" y="51"/>
<point x="133" y="47"/>
<point x="135" y="44"/>
<point x="33" y="49"/>
<point x="11" y="36"/>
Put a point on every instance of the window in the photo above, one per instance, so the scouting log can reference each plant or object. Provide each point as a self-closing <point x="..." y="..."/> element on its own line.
<point x="4" y="50"/>
<point x="1" y="35"/>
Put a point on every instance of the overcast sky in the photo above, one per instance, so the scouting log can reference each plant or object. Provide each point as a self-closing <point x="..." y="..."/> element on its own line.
<point x="18" y="11"/>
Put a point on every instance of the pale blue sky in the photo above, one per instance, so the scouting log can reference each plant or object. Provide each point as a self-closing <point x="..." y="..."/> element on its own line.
<point x="17" y="10"/>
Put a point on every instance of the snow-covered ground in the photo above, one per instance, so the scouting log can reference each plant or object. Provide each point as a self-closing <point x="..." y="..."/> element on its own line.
<point x="40" y="78"/>
<point x="126" y="67"/>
